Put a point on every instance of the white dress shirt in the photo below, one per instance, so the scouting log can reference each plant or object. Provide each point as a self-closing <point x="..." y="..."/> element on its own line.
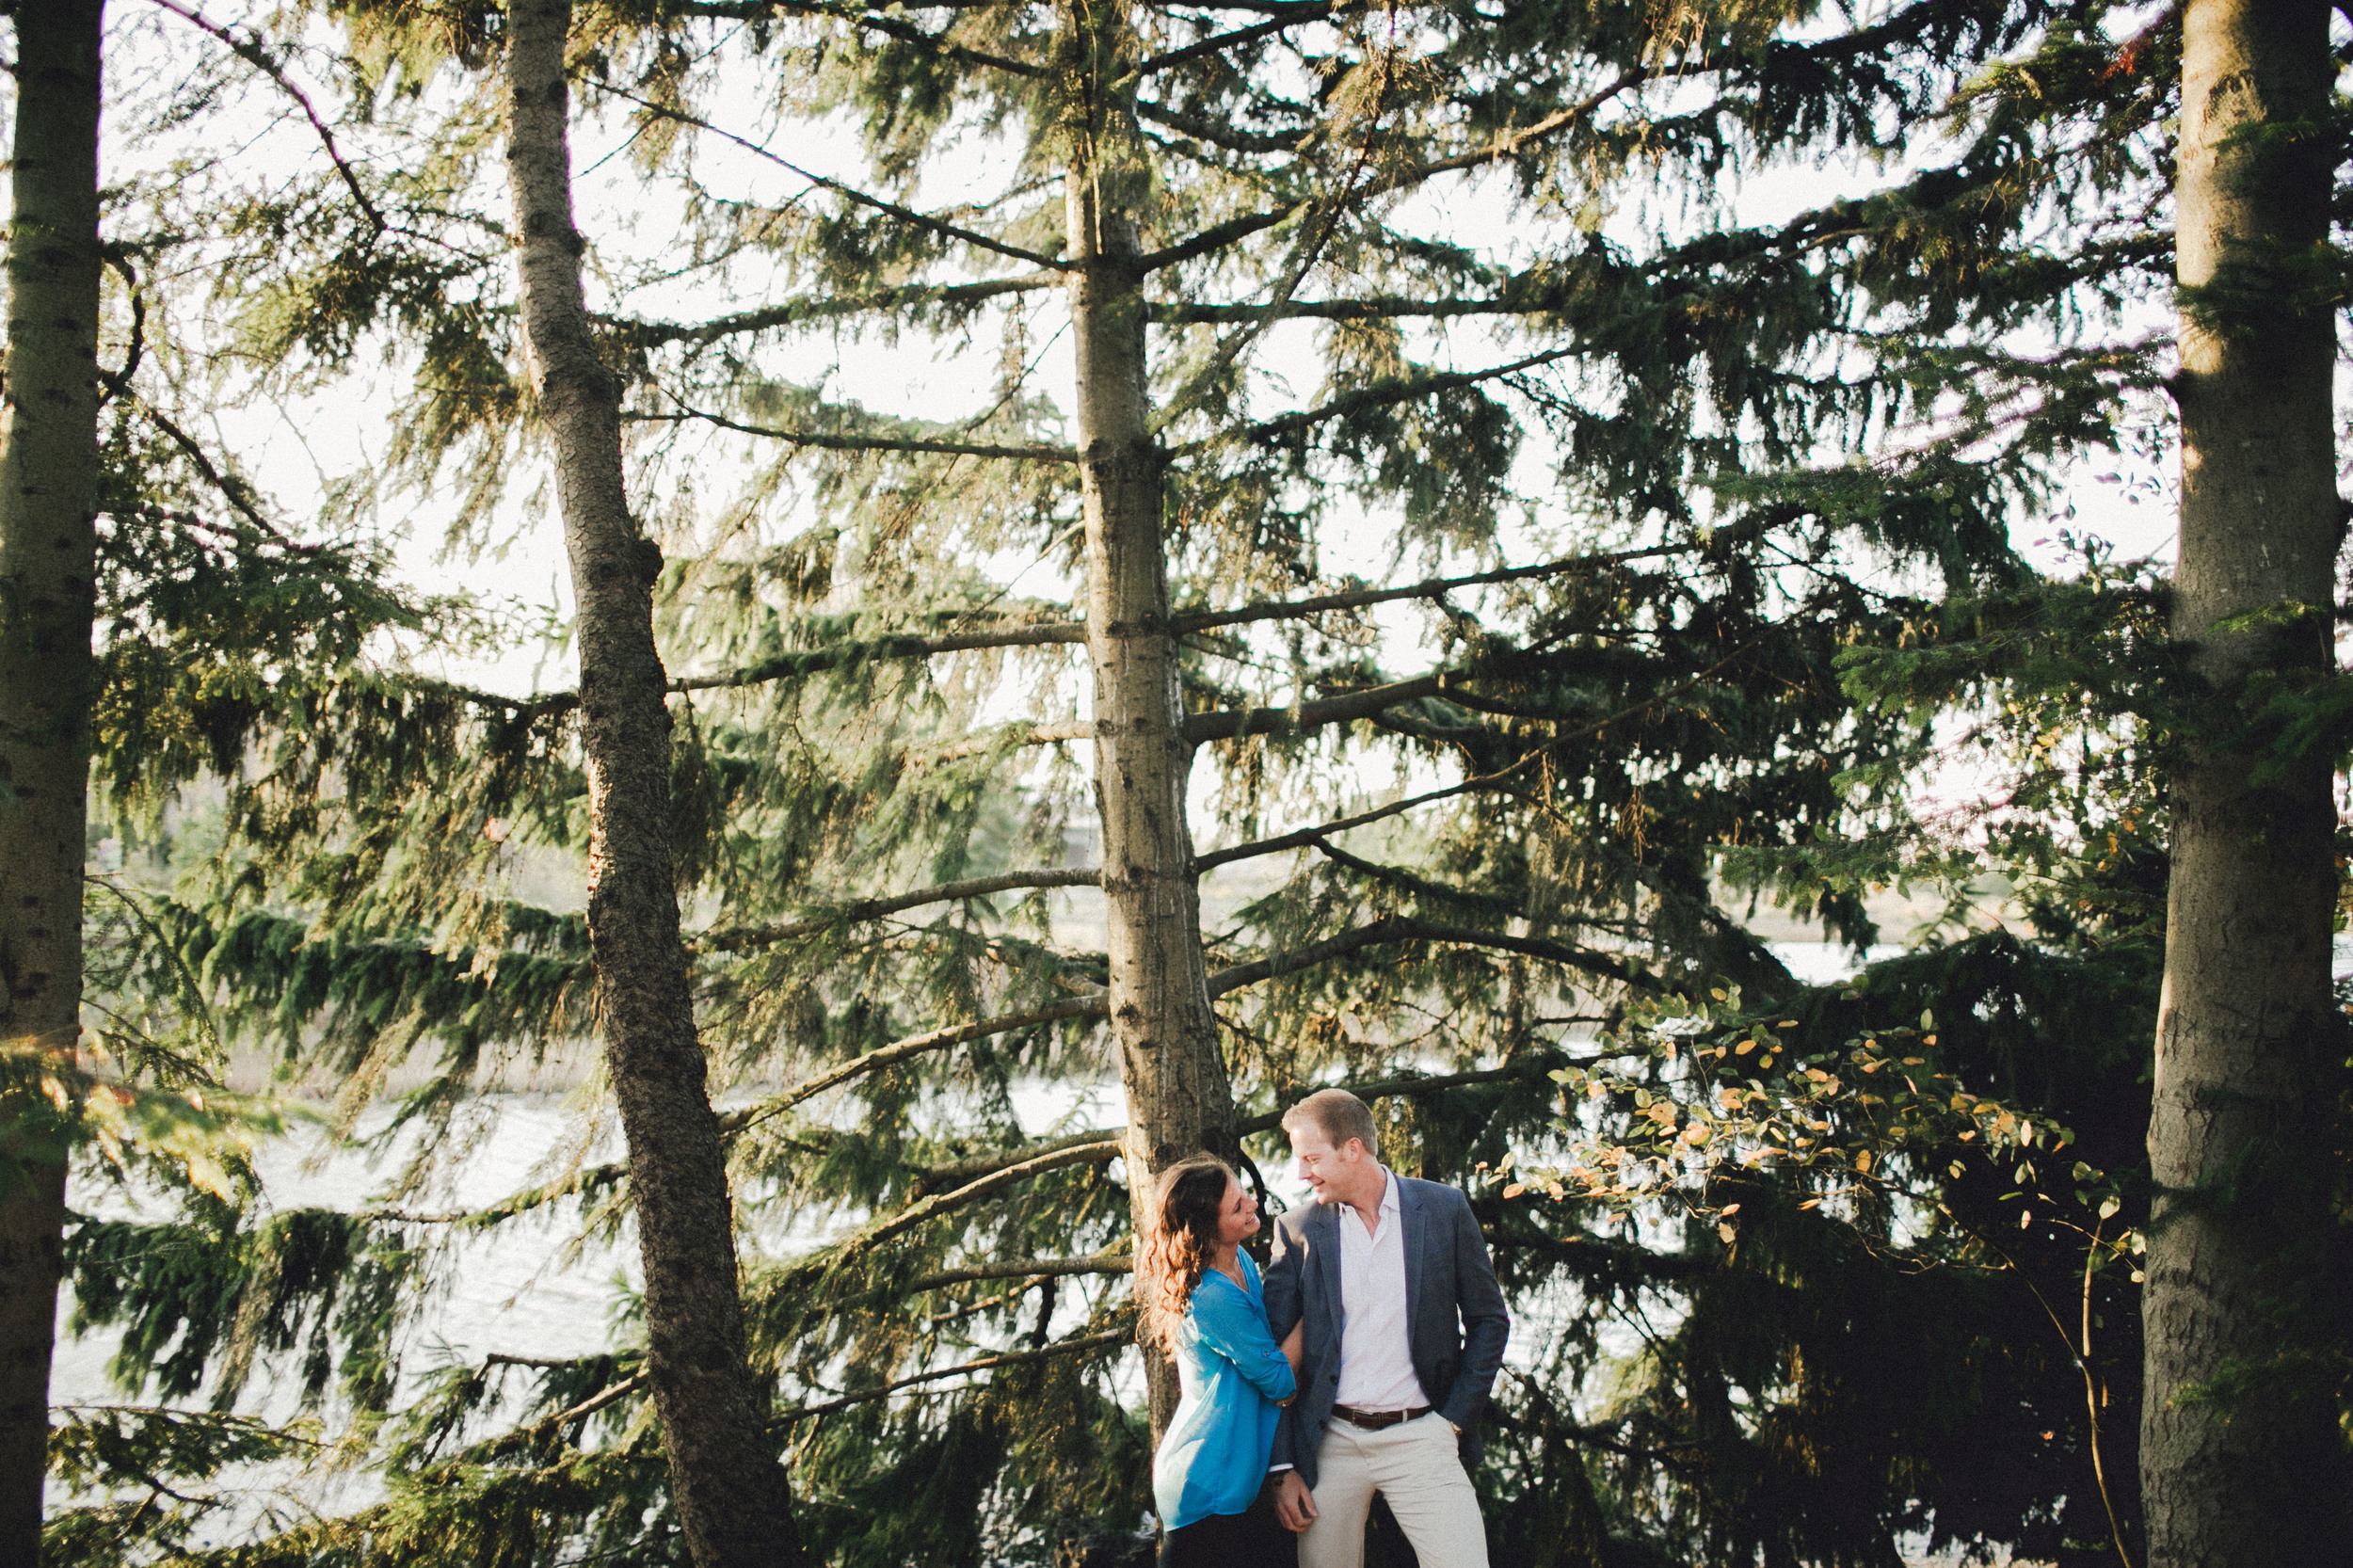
<point x="1376" y="1356"/>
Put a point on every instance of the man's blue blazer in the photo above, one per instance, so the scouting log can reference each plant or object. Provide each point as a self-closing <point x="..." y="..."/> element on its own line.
<point x="1454" y="1310"/>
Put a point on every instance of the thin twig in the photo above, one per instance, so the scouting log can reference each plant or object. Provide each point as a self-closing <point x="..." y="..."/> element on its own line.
<point x="1013" y="1358"/>
<point x="851" y="193"/>
<point x="859" y="444"/>
<point x="254" y="54"/>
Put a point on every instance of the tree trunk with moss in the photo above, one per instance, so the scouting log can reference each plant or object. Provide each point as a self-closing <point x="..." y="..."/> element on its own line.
<point x="732" y="1502"/>
<point x="2241" y="1463"/>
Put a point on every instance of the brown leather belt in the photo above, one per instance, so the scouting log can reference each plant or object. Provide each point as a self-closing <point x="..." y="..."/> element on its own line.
<point x="1373" y="1420"/>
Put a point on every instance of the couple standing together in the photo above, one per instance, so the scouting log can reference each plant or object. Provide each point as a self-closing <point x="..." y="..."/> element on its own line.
<point x="1359" y="1364"/>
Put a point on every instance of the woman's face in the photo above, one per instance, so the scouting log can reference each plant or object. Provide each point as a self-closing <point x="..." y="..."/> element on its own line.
<point x="1237" y="1217"/>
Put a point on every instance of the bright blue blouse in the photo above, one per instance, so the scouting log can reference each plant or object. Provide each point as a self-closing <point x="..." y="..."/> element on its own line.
<point x="1213" y="1459"/>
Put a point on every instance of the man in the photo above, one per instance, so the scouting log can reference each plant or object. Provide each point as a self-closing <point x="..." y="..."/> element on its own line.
<point x="1404" y="1329"/>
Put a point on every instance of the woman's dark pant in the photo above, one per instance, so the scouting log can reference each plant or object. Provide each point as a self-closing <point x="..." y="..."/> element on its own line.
<point x="1252" y="1539"/>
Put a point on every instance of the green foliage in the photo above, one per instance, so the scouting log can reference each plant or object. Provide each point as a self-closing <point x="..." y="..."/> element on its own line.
<point x="1781" y="464"/>
<point x="147" y="1464"/>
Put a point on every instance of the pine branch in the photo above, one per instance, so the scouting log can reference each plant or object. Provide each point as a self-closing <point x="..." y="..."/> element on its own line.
<point x="1029" y="1268"/>
<point x="787" y="666"/>
<point x="1391" y="929"/>
<point x="1306" y="837"/>
<point x="1313" y="715"/>
<point x="858" y="16"/>
<point x="1394" y="928"/>
<point x="1313" y="11"/>
<point x="1422" y="886"/>
<point x="1381" y="394"/>
<point x="252" y="52"/>
<point x="959" y="1171"/>
<point x="1012" y="1358"/>
<point x="916" y="1213"/>
<point x="1414" y="1085"/>
<point x="824" y="307"/>
<point x="1508" y="146"/>
<point x="1015" y="735"/>
<point x="909" y="1049"/>
<point x="1216" y="133"/>
<point x="849" y="192"/>
<point x="742" y="938"/>
<point x="1378" y="307"/>
<point x="1516" y="142"/>
<point x="1430" y="587"/>
<point x="524" y="1437"/>
<point x="233" y="490"/>
<point x="832" y="443"/>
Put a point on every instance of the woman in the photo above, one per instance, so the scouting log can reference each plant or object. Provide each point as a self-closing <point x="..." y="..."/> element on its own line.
<point x="1202" y="1304"/>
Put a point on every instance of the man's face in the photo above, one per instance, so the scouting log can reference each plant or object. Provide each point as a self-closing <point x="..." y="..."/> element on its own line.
<point x="1331" y="1173"/>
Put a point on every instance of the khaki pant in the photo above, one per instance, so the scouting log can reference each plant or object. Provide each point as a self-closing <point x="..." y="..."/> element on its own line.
<point x="1416" y="1466"/>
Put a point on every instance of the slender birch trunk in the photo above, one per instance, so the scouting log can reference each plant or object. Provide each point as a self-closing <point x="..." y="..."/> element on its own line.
<point x="1178" y="1098"/>
<point x="731" y="1497"/>
<point x="2240" y="1463"/>
<point x="48" y="562"/>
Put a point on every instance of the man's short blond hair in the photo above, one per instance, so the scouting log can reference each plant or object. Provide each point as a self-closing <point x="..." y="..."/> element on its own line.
<point x="1340" y="1116"/>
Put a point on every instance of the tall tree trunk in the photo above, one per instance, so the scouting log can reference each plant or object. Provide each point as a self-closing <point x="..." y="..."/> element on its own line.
<point x="731" y="1492"/>
<point x="48" y="561"/>
<point x="2240" y="1460"/>
<point x="1178" y="1100"/>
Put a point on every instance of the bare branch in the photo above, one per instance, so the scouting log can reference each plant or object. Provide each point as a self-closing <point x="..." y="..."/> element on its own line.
<point x="859" y="444"/>
<point x="252" y="52"/>
<point x="742" y="938"/>
<point x="850" y="193"/>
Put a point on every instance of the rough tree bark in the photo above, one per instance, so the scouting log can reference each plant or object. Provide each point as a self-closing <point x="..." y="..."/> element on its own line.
<point x="729" y="1492"/>
<point x="2240" y="1463"/>
<point x="48" y="559"/>
<point x="1179" y="1102"/>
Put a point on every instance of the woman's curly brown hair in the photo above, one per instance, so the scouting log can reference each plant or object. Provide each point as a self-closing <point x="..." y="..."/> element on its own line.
<point x="1180" y="1240"/>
